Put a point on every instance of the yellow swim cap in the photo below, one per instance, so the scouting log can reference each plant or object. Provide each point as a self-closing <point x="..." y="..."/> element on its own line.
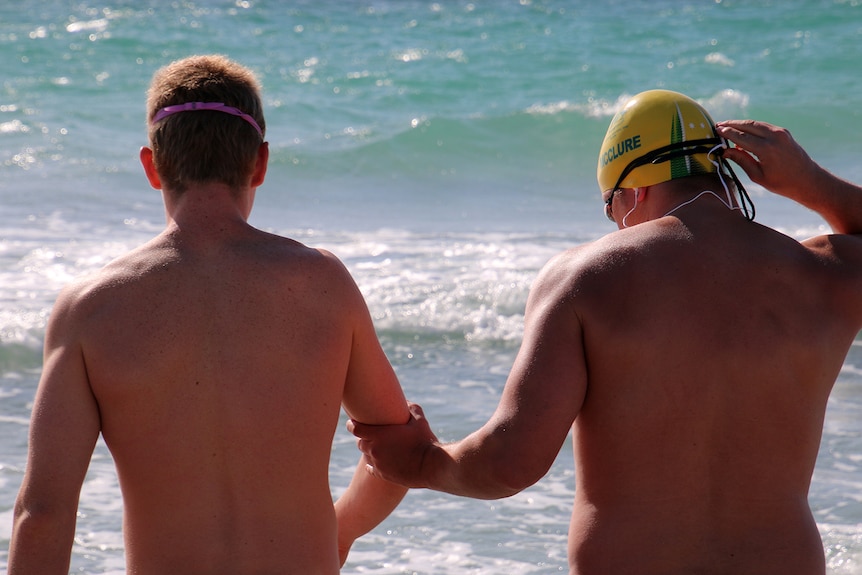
<point x="658" y="136"/>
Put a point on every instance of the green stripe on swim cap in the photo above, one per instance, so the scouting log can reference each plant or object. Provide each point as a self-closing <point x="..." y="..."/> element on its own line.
<point x="678" y="166"/>
<point x="686" y="165"/>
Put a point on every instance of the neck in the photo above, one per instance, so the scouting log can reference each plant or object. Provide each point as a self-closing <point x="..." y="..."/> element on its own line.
<point x="208" y="205"/>
<point x="729" y="205"/>
<point x="676" y="194"/>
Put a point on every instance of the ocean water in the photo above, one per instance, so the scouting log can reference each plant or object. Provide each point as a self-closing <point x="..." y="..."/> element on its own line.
<point x="445" y="151"/>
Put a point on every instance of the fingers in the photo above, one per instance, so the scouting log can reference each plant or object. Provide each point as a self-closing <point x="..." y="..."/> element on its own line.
<point x="367" y="435"/>
<point x="375" y="472"/>
<point x="371" y="470"/>
<point x="733" y="129"/>
<point x="354" y="426"/>
<point x="367" y="431"/>
<point x="771" y="157"/>
<point x="415" y="410"/>
<point x="362" y="433"/>
<point x="750" y="131"/>
<point x="745" y="161"/>
<point x="395" y="453"/>
<point x="757" y="137"/>
<point x="760" y="147"/>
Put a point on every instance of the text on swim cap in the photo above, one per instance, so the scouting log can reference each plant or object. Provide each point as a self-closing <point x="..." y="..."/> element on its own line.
<point x="621" y="148"/>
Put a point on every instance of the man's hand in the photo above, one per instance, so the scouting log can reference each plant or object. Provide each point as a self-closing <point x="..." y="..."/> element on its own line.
<point x="770" y="156"/>
<point x="397" y="453"/>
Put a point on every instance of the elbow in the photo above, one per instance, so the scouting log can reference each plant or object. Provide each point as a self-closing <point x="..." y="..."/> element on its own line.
<point x="517" y="482"/>
<point x="45" y="520"/>
<point x="509" y="477"/>
<point x="516" y="461"/>
<point x="491" y="466"/>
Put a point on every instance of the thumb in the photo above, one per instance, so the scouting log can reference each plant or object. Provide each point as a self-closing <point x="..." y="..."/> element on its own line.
<point x="358" y="429"/>
<point x="374" y="472"/>
<point x="415" y="410"/>
<point x="351" y="426"/>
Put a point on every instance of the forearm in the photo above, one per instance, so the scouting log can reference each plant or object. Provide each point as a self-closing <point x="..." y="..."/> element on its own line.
<point x="41" y="543"/>
<point x="496" y="461"/>
<point x="838" y="201"/>
<point x="772" y="158"/>
<point x="480" y="466"/>
<point x="366" y="502"/>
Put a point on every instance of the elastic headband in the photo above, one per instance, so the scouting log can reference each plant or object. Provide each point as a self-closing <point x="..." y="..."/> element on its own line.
<point x="205" y="106"/>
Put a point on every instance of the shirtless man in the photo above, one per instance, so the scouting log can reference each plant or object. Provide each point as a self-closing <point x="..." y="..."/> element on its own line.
<point x="214" y="361"/>
<point x="691" y="353"/>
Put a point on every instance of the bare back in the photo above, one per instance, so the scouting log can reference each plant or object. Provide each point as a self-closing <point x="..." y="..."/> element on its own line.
<point x="214" y="361"/>
<point x="692" y="356"/>
<point x="712" y="347"/>
<point x="219" y="374"/>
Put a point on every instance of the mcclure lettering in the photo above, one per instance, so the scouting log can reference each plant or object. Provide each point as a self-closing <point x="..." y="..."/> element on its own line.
<point x="620" y="149"/>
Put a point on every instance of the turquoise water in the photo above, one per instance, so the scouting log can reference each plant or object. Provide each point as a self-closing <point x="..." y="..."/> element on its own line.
<point x="445" y="151"/>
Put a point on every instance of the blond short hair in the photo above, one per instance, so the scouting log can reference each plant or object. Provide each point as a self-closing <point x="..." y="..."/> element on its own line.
<point x="204" y="146"/>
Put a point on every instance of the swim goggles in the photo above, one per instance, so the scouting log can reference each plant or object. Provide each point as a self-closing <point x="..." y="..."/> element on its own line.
<point x="206" y="106"/>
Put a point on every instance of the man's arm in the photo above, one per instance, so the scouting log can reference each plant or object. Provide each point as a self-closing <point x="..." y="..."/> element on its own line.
<point x="772" y="158"/>
<point x="366" y="502"/>
<point x="516" y="447"/>
<point x="372" y="394"/>
<point x="63" y="432"/>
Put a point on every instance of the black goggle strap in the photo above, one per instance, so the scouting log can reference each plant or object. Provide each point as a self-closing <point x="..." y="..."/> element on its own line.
<point x="744" y="199"/>
<point x="690" y="148"/>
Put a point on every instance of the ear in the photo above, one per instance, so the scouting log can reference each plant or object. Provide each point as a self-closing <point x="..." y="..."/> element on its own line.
<point x="146" y="156"/>
<point x="641" y="193"/>
<point x="260" y="165"/>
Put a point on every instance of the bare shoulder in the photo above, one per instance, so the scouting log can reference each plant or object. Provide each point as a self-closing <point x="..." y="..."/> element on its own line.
<point x="326" y="267"/>
<point x="840" y="250"/>
<point x="318" y="271"/>
<point x="75" y="304"/>
<point x="581" y="268"/>
<point x="840" y="258"/>
<point x="292" y="252"/>
<point x="93" y="289"/>
<point x="579" y="263"/>
<point x="558" y="277"/>
<point x="327" y="262"/>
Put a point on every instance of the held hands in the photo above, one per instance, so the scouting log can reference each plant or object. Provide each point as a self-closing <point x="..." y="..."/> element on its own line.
<point x="397" y="453"/>
<point x="770" y="156"/>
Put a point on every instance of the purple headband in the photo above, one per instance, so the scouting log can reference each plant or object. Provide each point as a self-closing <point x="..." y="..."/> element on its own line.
<point x="211" y="106"/>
